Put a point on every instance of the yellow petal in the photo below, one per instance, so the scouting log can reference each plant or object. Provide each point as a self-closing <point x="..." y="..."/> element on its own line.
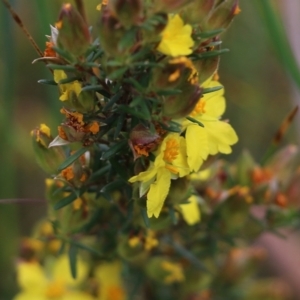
<point x="77" y="296"/>
<point x="61" y="271"/>
<point x="158" y="192"/>
<point x="109" y="273"/>
<point x="59" y="75"/>
<point x="31" y="278"/>
<point x="220" y="136"/>
<point x="180" y="162"/>
<point x="214" y="102"/>
<point x="191" y="211"/>
<point x="144" y="176"/>
<point x="29" y="296"/>
<point x="197" y="146"/>
<point x="64" y="96"/>
<point x="176" y="38"/>
<point x="76" y="87"/>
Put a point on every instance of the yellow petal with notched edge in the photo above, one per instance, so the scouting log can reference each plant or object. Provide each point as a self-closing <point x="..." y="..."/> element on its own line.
<point x="158" y="192"/>
<point x="197" y="146"/>
<point x="220" y="137"/>
<point x="191" y="211"/>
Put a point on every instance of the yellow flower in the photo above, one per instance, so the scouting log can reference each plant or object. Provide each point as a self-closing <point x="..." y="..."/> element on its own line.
<point x="176" y="38"/>
<point x="170" y="163"/>
<point x="67" y="89"/>
<point x="175" y="272"/>
<point x="35" y="285"/>
<point x="190" y="211"/>
<point x="216" y="135"/>
<point x="110" y="281"/>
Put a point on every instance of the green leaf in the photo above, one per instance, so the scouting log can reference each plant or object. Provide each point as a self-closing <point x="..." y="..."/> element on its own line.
<point x="210" y="90"/>
<point x="112" y="101"/>
<point x="119" y="169"/>
<point x="73" y="260"/>
<point x="61" y="67"/>
<point x="195" y="121"/>
<point x="114" y="149"/>
<point x="71" y="159"/>
<point x="119" y="126"/>
<point x="279" y="39"/>
<point x="189" y="256"/>
<point x="135" y="83"/>
<point x="169" y="92"/>
<point x="117" y="73"/>
<point x="65" y="201"/>
<point x="209" y="54"/>
<point x="91" y="65"/>
<point x="211" y="33"/>
<point x="171" y="127"/>
<point x="63" y="54"/>
<point x="99" y="173"/>
<point x="128" y="39"/>
<point x="97" y="55"/>
<point x="68" y="80"/>
<point x="97" y="88"/>
<point x="87" y="248"/>
<point x="112" y="186"/>
<point x="133" y="112"/>
<point x="145" y="217"/>
<point x="46" y="81"/>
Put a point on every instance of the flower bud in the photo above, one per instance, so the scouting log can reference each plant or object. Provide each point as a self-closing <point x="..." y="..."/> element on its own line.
<point x="132" y="250"/>
<point x="110" y="34"/>
<point x="158" y="22"/>
<point x="178" y="191"/>
<point x="222" y="15"/>
<point x="73" y="32"/>
<point x="170" y="6"/>
<point x="197" y="11"/>
<point x="48" y="158"/>
<point x="207" y="67"/>
<point x="128" y="12"/>
<point x="142" y="141"/>
<point x="181" y="105"/>
<point x="77" y="173"/>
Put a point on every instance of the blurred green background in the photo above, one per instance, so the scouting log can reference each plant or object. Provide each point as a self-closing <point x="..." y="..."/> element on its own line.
<point x="258" y="88"/>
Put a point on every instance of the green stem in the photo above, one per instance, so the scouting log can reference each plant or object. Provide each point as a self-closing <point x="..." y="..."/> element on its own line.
<point x="279" y="39"/>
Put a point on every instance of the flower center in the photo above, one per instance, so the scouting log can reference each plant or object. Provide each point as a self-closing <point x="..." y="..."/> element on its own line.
<point x="199" y="108"/>
<point x="55" y="289"/>
<point x="171" y="151"/>
<point x="115" y="293"/>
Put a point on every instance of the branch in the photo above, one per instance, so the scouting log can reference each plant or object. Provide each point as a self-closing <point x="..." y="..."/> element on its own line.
<point x="24" y="29"/>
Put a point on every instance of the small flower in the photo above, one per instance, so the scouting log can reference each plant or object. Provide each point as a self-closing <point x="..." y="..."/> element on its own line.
<point x="191" y="211"/>
<point x="170" y="163"/>
<point x="110" y="281"/>
<point x="216" y="135"/>
<point x="174" y="270"/>
<point x="176" y="38"/>
<point x="103" y="3"/>
<point x="67" y="90"/>
<point x="35" y="284"/>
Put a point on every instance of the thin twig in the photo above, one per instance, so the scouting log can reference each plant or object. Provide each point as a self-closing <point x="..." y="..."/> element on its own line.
<point x="21" y="25"/>
<point x="81" y="9"/>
